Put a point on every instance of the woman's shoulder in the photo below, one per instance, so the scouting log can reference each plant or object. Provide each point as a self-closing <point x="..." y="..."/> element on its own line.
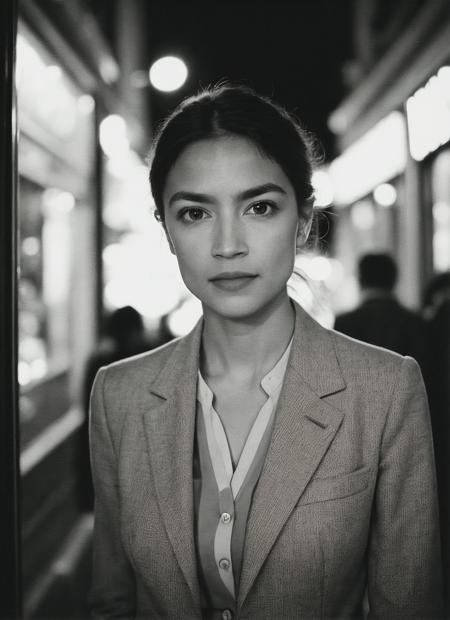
<point x="378" y="377"/>
<point x="148" y="363"/>
<point x="336" y="359"/>
<point x="359" y="357"/>
<point x="131" y="380"/>
<point x="351" y="353"/>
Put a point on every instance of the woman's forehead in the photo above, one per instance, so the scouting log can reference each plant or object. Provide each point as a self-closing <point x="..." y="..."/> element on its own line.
<point x="231" y="158"/>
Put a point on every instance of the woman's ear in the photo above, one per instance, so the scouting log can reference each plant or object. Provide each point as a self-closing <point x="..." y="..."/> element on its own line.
<point x="169" y="240"/>
<point x="304" y="227"/>
<point x="160" y="220"/>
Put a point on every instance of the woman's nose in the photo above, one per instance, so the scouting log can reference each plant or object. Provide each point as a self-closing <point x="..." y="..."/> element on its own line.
<point x="229" y="240"/>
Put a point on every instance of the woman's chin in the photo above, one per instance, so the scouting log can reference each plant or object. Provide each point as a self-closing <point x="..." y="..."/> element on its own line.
<point x="239" y="308"/>
<point x="231" y="308"/>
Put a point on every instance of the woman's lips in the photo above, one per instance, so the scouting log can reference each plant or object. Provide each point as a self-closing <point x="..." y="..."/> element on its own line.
<point x="233" y="283"/>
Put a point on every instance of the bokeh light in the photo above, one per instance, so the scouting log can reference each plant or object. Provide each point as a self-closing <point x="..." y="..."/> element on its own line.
<point x="385" y="195"/>
<point x="168" y="73"/>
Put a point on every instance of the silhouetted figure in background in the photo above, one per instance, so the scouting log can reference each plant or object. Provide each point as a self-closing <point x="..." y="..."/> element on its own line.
<point x="380" y="319"/>
<point x="437" y="313"/>
<point x="124" y="336"/>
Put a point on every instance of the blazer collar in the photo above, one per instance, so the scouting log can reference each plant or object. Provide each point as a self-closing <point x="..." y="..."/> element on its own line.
<point x="305" y="426"/>
<point x="314" y="355"/>
<point x="181" y="366"/>
<point x="169" y="429"/>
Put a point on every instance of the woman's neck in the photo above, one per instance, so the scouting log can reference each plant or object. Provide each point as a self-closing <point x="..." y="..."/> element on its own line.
<point x="246" y="348"/>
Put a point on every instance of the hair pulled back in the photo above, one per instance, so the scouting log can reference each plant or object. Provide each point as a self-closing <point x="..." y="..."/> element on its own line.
<point x="235" y="110"/>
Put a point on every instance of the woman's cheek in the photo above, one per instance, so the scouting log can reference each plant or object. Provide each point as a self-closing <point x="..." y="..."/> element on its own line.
<point x="284" y="254"/>
<point x="192" y="270"/>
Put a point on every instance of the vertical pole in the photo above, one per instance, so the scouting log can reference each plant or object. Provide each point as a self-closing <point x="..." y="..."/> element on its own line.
<point x="99" y="199"/>
<point x="10" y="603"/>
<point x="411" y="236"/>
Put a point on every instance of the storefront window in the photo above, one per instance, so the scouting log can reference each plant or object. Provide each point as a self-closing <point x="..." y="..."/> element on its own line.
<point x="55" y="162"/>
<point x="45" y="256"/>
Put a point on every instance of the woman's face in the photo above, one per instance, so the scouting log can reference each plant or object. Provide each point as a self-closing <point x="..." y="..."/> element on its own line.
<point x="231" y="219"/>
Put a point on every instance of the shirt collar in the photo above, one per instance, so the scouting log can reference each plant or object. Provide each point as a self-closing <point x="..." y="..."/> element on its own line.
<point x="269" y="383"/>
<point x="272" y="380"/>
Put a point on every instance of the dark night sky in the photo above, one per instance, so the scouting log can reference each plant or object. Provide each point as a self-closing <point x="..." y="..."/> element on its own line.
<point x="292" y="51"/>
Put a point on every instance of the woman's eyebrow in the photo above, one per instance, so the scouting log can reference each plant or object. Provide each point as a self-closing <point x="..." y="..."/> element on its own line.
<point x="252" y="192"/>
<point x="192" y="196"/>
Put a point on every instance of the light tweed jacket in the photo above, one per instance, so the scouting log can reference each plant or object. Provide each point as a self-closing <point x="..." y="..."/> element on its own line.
<point x="346" y="502"/>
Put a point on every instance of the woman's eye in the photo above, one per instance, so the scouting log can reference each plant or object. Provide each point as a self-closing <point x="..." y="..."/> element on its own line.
<point x="262" y="208"/>
<point x="191" y="214"/>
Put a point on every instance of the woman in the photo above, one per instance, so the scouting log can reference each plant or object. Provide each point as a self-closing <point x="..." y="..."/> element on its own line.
<point x="262" y="466"/>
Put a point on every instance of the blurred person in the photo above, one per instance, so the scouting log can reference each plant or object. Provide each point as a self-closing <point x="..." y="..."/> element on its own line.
<point x="380" y="319"/>
<point x="437" y="313"/>
<point x="261" y="466"/>
<point x="124" y="336"/>
<point x="436" y="293"/>
<point x="436" y="304"/>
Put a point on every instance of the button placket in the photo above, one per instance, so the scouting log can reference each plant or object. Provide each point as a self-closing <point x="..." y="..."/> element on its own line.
<point x="222" y="539"/>
<point x="229" y="482"/>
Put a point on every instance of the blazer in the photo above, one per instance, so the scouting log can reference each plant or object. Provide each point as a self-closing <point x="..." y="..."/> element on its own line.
<point x="345" y="509"/>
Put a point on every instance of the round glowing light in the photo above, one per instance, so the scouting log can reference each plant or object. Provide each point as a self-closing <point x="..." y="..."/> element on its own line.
<point x="31" y="246"/>
<point x="168" y="73"/>
<point x="55" y="202"/>
<point x="441" y="212"/>
<point x="24" y="373"/>
<point x="385" y="195"/>
<point x="85" y="104"/>
<point x="440" y="250"/>
<point x="362" y="215"/>
<point x="113" y="136"/>
<point x="38" y="368"/>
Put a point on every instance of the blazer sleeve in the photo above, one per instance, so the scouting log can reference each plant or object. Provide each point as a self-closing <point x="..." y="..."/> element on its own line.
<point x="404" y="568"/>
<point x="112" y="592"/>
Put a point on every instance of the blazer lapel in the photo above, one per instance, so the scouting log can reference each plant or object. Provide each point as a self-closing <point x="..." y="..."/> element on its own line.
<point x="169" y="430"/>
<point x="305" y="426"/>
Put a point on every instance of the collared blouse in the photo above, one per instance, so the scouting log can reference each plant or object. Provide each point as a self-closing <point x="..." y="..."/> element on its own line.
<point x="222" y="494"/>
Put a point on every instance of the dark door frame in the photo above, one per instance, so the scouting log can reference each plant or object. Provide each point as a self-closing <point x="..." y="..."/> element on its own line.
<point x="10" y="582"/>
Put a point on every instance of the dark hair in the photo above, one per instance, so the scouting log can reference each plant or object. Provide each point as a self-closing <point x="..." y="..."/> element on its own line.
<point x="377" y="271"/>
<point x="235" y="110"/>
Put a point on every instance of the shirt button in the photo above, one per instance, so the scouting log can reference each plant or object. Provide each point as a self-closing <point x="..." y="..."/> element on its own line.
<point x="225" y="517"/>
<point x="225" y="565"/>
<point x="227" y="614"/>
